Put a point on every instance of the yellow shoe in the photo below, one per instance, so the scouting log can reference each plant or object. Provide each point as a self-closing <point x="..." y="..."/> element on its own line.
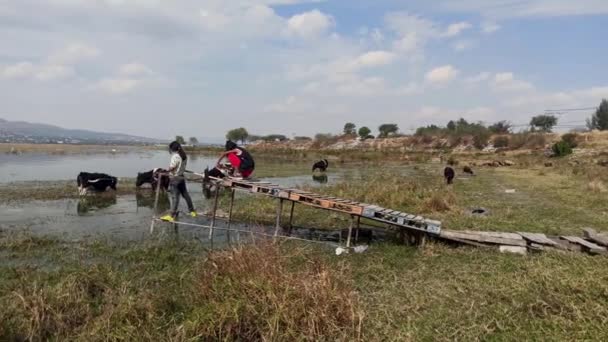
<point x="168" y="218"/>
<point x="193" y="214"/>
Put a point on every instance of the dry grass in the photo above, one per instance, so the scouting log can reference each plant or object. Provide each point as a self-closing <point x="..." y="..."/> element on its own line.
<point x="176" y="292"/>
<point x="596" y="186"/>
<point x="253" y="293"/>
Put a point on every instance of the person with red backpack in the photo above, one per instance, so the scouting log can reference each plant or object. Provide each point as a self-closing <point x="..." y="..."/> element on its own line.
<point x="241" y="163"/>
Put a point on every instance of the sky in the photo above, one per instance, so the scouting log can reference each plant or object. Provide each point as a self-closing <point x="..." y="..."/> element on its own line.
<point x="159" y="68"/>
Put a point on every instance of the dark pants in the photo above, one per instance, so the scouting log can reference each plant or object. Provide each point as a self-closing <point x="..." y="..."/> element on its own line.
<point x="177" y="189"/>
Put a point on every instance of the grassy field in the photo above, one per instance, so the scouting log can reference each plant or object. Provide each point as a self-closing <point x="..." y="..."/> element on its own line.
<point x="165" y="290"/>
<point x="161" y="289"/>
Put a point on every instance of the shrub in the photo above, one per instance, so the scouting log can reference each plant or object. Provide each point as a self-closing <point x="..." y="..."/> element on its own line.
<point x="571" y="139"/>
<point x="561" y="149"/>
<point x="481" y="135"/>
<point x="501" y="141"/>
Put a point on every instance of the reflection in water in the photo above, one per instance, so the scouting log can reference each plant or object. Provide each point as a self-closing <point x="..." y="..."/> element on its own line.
<point x="320" y="178"/>
<point x="94" y="203"/>
<point x="146" y="199"/>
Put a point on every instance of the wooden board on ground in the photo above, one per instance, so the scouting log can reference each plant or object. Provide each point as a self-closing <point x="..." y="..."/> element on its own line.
<point x="496" y="234"/>
<point x="538" y="238"/>
<point x="599" y="238"/>
<point x="586" y="244"/>
<point x="450" y="234"/>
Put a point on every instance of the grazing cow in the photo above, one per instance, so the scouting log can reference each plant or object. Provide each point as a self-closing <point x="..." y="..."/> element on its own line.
<point x="321" y="165"/>
<point x="99" y="182"/>
<point x="448" y="174"/>
<point x="152" y="177"/>
<point x="468" y="170"/>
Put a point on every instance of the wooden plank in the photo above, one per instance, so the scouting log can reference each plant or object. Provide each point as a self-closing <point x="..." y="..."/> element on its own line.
<point x="496" y="234"/>
<point x="591" y="234"/>
<point x="586" y="244"/>
<point x="481" y="238"/>
<point x="565" y="245"/>
<point x="537" y="238"/>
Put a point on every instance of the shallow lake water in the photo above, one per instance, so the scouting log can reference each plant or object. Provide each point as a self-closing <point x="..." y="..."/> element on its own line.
<point x="46" y="167"/>
<point x="128" y="217"/>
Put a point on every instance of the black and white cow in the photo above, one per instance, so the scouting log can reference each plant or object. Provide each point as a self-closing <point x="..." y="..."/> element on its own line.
<point x="98" y="182"/>
<point x="321" y="165"/>
<point x="152" y="177"/>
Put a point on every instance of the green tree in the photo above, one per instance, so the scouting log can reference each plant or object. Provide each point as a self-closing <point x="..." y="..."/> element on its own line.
<point x="451" y="125"/>
<point x="180" y="139"/>
<point x="350" y="128"/>
<point x="543" y="123"/>
<point x="237" y="134"/>
<point x="364" y="132"/>
<point x="599" y="120"/>
<point x="193" y="141"/>
<point x="501" y="127"/>
<point x="386" y="130"/>
<point x="274" y="137"/>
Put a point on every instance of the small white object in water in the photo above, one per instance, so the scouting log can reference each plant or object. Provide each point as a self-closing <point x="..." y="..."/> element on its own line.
<point x="360" y="249"/>
<point x="510" y="191"/>
<point x="340" y="250"/>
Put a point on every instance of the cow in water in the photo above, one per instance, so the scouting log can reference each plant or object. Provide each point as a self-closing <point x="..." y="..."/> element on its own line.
<point x="98" y="182"/>
<point x="152" y="177"/>
<point x="449" y="174"/>
<point x="321" y="165"/>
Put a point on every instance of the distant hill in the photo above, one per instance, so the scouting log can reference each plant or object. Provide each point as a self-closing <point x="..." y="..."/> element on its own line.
<point x="20" y="131"/>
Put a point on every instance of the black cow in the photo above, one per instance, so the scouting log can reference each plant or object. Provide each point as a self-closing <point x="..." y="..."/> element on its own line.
<point x="449" y="174"/>
<point x="99" y="182"/>
<point x="152" y="177"/>
<point x="321" y="165"/>
<point x="468" y="170"/>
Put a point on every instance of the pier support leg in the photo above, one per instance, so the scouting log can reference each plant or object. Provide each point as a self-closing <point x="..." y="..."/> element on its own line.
<point x="357" y="229"/>
<point x="278" y="221"/>
<point x="160" y="178"/>
<point x="293" y="204"/>
<point x="230" y="214"/>
<point x="213" y="215"/>
<point x="350" y="231"/>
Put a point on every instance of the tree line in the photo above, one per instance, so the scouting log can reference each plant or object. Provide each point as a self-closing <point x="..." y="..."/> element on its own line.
<point x="541" y="123"/>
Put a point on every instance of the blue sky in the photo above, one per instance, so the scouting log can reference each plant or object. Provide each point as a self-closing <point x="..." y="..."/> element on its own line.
<point x="198" y="68"/>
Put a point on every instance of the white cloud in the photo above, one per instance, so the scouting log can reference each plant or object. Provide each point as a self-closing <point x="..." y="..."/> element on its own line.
<point x="442" y="75"/>
<point x="413" y="31"/>
<point x="309" y="24"/>
<point x="118" y="85"/>
<point x="53" y="72"/>
<point x="481" y="77"/>
<point x="489" y="27"/>
<point x="463" y="45"/>
<point x="28" y="70"/>
<point x="134" y="69"/>
<point x="456" y="29"/>
<point x="528" y="8"/>
<point x="19" y="70"/>
<point x="362" y="87"/>
<point x="73" y="53"/>
<point x="506" y="82"/>
<point x="373" y="59"/>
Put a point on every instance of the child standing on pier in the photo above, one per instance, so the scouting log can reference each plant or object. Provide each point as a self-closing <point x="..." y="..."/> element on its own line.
<point x="177" y="186"/>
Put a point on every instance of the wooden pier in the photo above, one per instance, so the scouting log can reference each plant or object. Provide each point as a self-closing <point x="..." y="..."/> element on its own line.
<point x="412" y="228"/>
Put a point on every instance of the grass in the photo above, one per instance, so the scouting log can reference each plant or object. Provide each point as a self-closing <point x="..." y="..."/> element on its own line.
<point x="172" y="291"/>
<point x="51" y="289"/>
<point x="164" y="290"/>
<point x="554" y="200"/>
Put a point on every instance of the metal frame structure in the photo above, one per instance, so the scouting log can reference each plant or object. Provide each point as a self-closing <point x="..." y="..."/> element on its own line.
<point x="405" y="223"/>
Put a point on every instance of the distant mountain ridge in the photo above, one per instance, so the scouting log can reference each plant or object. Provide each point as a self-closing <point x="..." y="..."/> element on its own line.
<point x="21" y="131"/>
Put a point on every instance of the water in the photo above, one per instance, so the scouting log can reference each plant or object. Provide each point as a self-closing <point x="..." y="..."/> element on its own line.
<point x="122" y="217"/>
<point x="45" y="167"/>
